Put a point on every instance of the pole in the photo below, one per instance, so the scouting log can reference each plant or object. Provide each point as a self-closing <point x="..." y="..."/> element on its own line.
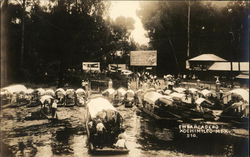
<point x="188" y="30"/>
<point x="188" y="37"/>
<point x="22" y="39"/>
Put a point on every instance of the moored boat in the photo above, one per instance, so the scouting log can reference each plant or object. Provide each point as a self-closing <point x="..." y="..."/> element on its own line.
<point x="104" y="128"/>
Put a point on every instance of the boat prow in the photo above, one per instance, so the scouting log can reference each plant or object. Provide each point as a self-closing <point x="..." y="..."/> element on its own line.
<point x="107" y="150"/>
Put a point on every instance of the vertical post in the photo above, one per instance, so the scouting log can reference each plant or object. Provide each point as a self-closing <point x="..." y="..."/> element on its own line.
<point x="188" y="37"/>
<point x="22" y="38"/>
<point x="188" y="30"/>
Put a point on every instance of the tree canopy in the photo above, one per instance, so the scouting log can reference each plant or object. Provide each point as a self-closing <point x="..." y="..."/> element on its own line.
<point x="221" y="31"/>
<point x="59" y="35"/>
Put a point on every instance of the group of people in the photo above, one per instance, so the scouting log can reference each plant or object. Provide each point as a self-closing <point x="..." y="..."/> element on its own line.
<point x="105" y="129"/>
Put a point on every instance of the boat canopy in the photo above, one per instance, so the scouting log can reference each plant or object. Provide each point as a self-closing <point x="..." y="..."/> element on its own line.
<point x="70" y="91"/>
<point x="41" y="91"/>
<point x="109" y="91"/>
<point x="98" y="104"/>
<point x="167" y="92"/>
<point x="80" y="91"/>
<point x="166" y="99"/>
<point x="46" y="97"/>
<point x="152" y="97"/>
<point x="206" y="92"/>
<point x="121" y="91"/>
<point x="241" y="92"/>
<point x="193" y="90"/>
<point x="15" y="88"/>
<point x="200" y="100"/>
<point x="130" y="91"/>
<point x="177" y="95"/>
<point x="50" y="92"/>
<point x="29" y="91"/>
<point x="61" y="90"/>
<point x="150" y="90"/>
<point x="179" y="90"/>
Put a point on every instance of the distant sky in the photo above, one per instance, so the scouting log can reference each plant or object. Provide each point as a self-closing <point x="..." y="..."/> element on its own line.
<point x="128" y="9"/>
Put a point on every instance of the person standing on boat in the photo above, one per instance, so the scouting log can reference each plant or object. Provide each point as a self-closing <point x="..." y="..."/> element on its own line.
<point x="100" y="128"/>
<point x="54" y="108"/>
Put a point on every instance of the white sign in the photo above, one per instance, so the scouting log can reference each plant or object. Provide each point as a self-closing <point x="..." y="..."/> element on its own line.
<point x="91" y="66"/>
<point x="115" y="67"/>
<point x="143" y="58"/>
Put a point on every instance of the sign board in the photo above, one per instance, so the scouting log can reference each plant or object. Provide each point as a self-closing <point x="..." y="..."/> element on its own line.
<point x="91" y="66"/>
<point x="143" y="58"/>
<point x="115" y="67"/>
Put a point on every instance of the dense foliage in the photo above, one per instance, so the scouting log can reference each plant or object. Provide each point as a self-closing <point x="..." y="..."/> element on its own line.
<point x="60" y="34"/>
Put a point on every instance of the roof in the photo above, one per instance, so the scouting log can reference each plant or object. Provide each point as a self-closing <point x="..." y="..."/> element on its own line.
<point x="226" y="66"/>
<point x="207" y="57"/>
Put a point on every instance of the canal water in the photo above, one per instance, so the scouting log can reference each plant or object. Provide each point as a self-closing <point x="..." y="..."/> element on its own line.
<point x="25" y="134"/>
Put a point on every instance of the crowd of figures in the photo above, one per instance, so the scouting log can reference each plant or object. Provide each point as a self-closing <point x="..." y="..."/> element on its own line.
<point x="48" y="99"/>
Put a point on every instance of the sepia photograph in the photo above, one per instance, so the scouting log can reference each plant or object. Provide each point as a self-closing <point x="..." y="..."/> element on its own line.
<point x="124" y="78"/>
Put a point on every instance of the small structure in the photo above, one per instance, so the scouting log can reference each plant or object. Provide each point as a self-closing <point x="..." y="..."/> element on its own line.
<point x="204" y="62"/>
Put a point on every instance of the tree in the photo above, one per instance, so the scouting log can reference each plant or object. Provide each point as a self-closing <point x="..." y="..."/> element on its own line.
<point x="60" y="36"/>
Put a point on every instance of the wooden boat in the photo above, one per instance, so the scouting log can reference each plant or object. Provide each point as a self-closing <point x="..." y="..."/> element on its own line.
<point x="94" y="107"/>
<point x="70" y="98"/>
<point x="46" y="102"/>
<point x="163" y="107"/>
<point x="81" y="97"/>
<point x="236" y="108"/>
<point x="60" y="96"/>
<point x="152" y="108"/>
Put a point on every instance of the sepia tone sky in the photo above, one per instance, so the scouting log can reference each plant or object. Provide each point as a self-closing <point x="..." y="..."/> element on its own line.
<point x="128" y="9"/>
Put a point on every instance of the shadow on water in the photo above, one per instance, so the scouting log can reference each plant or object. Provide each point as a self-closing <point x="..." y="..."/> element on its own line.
<point x="156" y="136"/>
<point x="63" y="140"/>
<point x="5" y="150"/>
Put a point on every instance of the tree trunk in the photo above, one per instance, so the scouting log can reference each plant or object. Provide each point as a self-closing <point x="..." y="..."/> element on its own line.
<point x="22" y="36"/>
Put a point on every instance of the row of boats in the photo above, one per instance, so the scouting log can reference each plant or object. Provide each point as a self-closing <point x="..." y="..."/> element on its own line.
<point x="104" y="124"/>
<point x="186" y="105"/>
<point x="18" y="95"/>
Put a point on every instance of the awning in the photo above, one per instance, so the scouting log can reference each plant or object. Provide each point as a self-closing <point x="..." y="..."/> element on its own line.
<point x="151" y="97"/>
<point x="207" y="57"/>
<point x="226" y="66"/>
